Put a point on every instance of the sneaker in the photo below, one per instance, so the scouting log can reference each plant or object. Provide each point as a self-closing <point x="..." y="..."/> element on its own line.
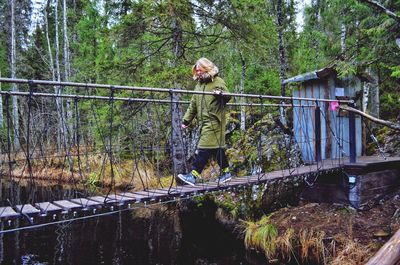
<point x="188" y="178"/>
<point x="225" y="177"/>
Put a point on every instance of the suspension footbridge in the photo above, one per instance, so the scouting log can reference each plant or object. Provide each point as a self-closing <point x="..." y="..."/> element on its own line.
<point x="121" y="146"/>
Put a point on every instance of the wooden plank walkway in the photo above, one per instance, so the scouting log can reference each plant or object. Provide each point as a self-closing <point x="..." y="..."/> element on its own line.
<point x="126" y="199"/>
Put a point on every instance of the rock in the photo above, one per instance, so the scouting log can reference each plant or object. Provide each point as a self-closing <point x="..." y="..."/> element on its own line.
<point x="382" y="232"/>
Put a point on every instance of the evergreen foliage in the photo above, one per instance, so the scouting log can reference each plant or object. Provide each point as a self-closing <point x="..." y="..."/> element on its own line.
<point x="155" y="43"/>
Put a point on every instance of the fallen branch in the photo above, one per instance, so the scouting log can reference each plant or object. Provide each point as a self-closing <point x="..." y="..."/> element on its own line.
<point x="389" y="254"/>
<point x="389" y="124"/>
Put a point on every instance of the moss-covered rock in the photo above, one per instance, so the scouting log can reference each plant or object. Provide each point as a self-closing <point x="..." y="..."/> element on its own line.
<point x="265" y="147"/>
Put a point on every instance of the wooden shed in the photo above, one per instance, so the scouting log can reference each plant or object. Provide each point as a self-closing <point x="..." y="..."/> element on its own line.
<point x="334" y="124"/>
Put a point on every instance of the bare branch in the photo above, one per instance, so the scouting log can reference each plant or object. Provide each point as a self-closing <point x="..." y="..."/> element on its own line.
<point x="381" y="8"/>
<point x="389" y="124"/>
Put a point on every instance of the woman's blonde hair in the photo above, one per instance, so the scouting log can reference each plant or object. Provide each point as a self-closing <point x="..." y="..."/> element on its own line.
<point x="206" y="66"/>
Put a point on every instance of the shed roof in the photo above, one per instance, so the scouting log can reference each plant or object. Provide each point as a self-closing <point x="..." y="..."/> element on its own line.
<point x="317" y="74"/>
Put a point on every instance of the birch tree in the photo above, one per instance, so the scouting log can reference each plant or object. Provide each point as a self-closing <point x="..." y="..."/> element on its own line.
<point x="241" y="91"/>
<point x="67" y="70"/>
<point x="59" y="102"/>
<point x="14" y="86"/>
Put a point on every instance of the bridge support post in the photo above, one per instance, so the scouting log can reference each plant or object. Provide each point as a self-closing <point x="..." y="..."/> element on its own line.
<point x="352" y="135"/>
<point x="317" y="126"/>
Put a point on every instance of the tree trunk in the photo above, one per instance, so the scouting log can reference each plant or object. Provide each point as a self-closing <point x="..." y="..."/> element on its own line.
<point x="51" y="64"/>
<point x="178" y="151"/>
<point x="67" y="71"/>
<point x="46" y="23"/>
<point x="317" y="15"/>
<point x="241" y="91"/>
<point x="366" y="88"/>
<point x="13" y="75"/>
<point x="282" y="56"/>
<point x="67" y="67"/>
<point x="343" y="38"/>
<point x="59" y="102"/>
<point x="374" y="90"/>
<point x="1" y="109"/>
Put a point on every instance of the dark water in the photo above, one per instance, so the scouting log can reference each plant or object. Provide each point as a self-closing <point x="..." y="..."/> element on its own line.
<point x="180" y="233"/>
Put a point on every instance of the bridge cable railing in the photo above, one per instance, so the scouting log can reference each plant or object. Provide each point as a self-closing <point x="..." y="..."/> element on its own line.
<point x="44" y="127"/>
<point x="163" y="90"/>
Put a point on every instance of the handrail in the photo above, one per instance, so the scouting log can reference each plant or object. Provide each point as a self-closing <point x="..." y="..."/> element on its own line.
<point x="165" y="90"/>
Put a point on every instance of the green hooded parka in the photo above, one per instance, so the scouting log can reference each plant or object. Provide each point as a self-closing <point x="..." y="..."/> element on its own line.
<point x="210" y="113"/>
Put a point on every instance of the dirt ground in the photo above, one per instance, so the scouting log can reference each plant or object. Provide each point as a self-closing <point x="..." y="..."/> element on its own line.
<point x="341" y="225"/>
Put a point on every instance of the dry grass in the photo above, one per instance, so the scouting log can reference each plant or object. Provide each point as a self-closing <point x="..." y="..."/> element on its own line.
<point x="311" y="245"/>
<point x="305" y="246"/>
<point x="351" y="253"/>
<point x="285" y="244"/>
<point x="92" y="170"/>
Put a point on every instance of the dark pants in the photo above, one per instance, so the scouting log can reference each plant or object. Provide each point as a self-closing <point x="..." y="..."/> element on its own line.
<point x="203" y="155"/>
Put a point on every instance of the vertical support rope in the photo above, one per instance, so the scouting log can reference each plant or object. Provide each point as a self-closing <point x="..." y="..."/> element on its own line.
<point x="28" y="155"/>
<point x="109" y="151"/>
<point x="77" y="132"/>
<point x="221" y="134"/>
<point x="8" y="136"/>
<point x="172" y="140"/>
<point x="259" y="146"/>
<point x="135" y="128"/>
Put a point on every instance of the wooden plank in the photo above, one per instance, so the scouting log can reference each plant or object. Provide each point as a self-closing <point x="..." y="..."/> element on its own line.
<point x="187" y="189"/>
<point x="202" y="184"/>
<point x="126" y="194"/>
<point x="67" y="205"/>
<point x="137" y="195"/>
<point x="121" y="198"/>
<point x="372" y="193"/>
<point x="7" y="212"/>
<point x="173" y="191"/>
<point x="325" y="193"/>
<point x="255" y="180"/>
<point x="241" y="180"/>
<point x="379" y="179"/>
<point x="146" y="195"/>
<point x="47" y="207"/>
<point x="27" y="209"/>
<point x="102" y="199"/>
<point x="203" y="187"/>
<point x="159" y="194"/>
<point x="85" y="203"/>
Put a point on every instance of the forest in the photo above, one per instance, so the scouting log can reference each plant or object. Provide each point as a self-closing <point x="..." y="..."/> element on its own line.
<point x="118" y="134"/>
<point x="256" y="44"/>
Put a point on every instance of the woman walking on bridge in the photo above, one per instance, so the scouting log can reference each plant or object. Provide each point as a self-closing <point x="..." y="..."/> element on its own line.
<point x="210" y="113"/>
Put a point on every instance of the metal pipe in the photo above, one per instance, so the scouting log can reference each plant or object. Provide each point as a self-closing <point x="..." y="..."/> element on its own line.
<point x="128" y="99"/>
<point x="165" y="90"/>
<point x="352" y="135"/>
<point x="317" y="122"/>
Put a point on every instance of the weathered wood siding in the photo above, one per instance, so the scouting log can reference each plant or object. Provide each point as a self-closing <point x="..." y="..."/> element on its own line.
<point x="334" y="127"/>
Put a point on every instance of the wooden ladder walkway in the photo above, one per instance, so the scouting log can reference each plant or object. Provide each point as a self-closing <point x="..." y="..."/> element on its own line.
<point x="92" y="205"/>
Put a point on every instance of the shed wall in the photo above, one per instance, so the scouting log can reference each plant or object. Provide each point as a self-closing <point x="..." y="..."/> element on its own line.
<point x="334" y="127"/>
